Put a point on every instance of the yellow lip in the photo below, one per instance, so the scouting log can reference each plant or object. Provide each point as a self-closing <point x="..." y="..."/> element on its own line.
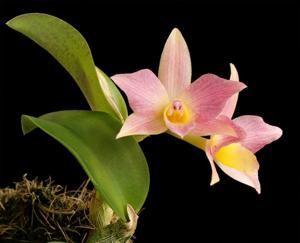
<point x="238" y="157"/>
<point x="177" y="112"/>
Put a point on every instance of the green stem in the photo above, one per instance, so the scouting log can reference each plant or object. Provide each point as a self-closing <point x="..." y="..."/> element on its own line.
<point x="197" y="141"/>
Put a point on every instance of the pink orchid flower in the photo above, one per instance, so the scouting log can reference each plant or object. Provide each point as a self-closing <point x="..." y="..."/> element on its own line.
<point x="171" y="102"/>
<point x="235" y="154"/>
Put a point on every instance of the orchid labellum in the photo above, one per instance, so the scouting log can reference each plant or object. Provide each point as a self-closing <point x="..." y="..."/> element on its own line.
<point x="171" y="102"/>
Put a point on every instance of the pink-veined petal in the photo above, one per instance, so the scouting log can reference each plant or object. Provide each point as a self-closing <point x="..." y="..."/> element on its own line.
<point x="207" y="96"/>
<point x="219" y="140"/>
<point x="142" y="125"/>
<point x="258" y="133"/>
<point x="214" y="174"/>
<point x="239" y="163"/>
<point x="219" y="126"/>
<point x="230" y="105"/>
<point x="145" y="92"/>
<point x="175" y="70"/>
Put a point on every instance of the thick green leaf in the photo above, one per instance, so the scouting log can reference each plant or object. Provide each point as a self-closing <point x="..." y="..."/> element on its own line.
<point x="116" y="167"/>
<point x="113" y="95"/>
<point x="69" y="48"/>
<point x="56" y="242"/>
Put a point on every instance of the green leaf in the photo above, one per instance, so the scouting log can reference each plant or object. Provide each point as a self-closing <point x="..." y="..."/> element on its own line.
<point x="116" y="167"/>
<point x="69" y="48"/>
<point x="56" y="242"/>
<point x="140" y="138"/>
<point x="113" y="95"/>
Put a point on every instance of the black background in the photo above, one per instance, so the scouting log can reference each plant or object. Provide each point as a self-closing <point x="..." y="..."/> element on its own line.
<point x="261" y="38"/>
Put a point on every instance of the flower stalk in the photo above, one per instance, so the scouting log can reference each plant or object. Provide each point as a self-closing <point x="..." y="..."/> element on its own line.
<point x="197" y="141"/>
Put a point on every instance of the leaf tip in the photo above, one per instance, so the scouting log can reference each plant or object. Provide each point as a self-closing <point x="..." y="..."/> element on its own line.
<point x="27" y="124"/>
<point x="8" y="22"/>
<point x="12" y="22"/>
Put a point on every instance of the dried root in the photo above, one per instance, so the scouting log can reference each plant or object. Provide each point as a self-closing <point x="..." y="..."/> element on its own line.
<point x="41" y="211"/>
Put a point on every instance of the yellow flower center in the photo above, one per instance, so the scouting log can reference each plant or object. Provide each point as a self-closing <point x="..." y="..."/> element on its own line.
<point x="177" y="112"/>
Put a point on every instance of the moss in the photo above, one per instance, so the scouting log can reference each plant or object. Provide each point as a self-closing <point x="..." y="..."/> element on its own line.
<point x="36" y="211"/>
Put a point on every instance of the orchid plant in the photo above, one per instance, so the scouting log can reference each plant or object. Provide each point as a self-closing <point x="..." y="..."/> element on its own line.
<point x="105" y="139"/>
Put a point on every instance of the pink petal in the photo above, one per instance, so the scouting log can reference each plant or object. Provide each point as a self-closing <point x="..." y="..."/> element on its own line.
<point x="219" y="126"/>
<point x="230" y="105"/>
<point x="142" y="125"/>
<point x="258" y="133"/>
<point x="175" y="69"/>
<point x="222" y="139"/>
<point x="207" y="96"/>
<point x="145" y="92"/>
<point x="239" y="163"/>
<point x="214" y="174"/>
